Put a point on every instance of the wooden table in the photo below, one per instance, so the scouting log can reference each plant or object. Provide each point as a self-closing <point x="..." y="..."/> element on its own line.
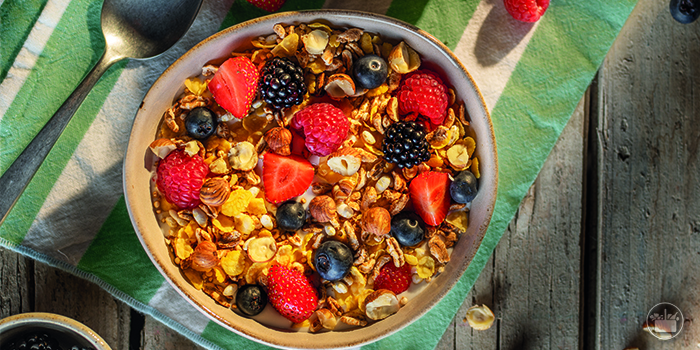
<point x="610" y="227"/>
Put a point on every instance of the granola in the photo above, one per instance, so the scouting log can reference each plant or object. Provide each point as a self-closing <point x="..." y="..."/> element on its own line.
<point x="232" y="238"/>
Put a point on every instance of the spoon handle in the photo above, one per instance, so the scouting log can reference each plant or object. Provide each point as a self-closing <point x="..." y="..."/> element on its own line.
<point x="17" y="177"/>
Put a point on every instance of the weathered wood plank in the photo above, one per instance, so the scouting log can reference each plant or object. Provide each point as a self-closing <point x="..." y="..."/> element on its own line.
<point x="532" y="281"/>
<point x="158" y="336"/>
<point x="650" y="235"/>
<point x="59" y="292"/>
<point x="16" y="283"/>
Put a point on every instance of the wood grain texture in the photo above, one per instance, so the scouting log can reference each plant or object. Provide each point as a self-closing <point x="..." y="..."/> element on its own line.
<point x="532" y="281"/>
<point x="157" y="336"/>
<point x="649" y="136"/>
<point x="16" y="283"/>
<point x="64" y="294"/>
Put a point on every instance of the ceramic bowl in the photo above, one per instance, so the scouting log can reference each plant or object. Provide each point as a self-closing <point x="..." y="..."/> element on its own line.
<point x="138" y="168"/>
<point x="66" y="331"/>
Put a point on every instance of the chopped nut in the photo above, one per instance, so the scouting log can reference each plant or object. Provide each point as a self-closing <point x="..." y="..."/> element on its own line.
<point x="315" y="41"/>
<point x="480" y="317"/>
<point x="243" y="156"/>
<point x="162" y="147"/>
<point x="438" y="249"/>
<point x="340" y="86"/>
<point x="394" y="249"/>
<point x="381" y="304"/>
<point x="345" y="161"/>
<point x="403" y="59"/>
<point x="353" y="321"/>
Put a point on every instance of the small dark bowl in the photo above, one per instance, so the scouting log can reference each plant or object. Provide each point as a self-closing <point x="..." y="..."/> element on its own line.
<point x="66" y="331"/>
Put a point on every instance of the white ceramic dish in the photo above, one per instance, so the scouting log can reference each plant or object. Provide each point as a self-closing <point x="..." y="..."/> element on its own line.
<point x="66" y="331"/>
<point x="138" y="167"/>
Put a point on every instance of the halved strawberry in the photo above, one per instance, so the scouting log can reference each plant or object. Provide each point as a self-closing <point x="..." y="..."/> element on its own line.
<point x="430" y="195"/>
<point x="285" y="177"/>
<point x="234" y="85"/>
<point x="291" y="294"/>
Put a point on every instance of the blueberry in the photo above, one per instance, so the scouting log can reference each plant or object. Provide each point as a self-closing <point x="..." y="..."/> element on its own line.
<point x="333" y="260"/>
<point x="290" y="216"/>
<point x="463" y="188"/>
<point x="369" y="72"/>
<point x="200" y="123"/>
<point x="408" y="228"/>
<point x="251" y="299"/>
<point x="685" y="11"/>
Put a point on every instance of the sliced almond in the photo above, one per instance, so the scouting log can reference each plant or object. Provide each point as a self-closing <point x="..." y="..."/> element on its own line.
<point x="262" y="249"/>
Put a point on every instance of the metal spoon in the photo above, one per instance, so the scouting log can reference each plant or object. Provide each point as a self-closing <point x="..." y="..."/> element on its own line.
<point x="136" y="29"/>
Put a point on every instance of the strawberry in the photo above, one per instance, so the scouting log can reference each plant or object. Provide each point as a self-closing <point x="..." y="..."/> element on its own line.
<point x="267" y="5"/>
<point x="395" y="279"/>
<point x="430" y="195"/>
<point x="285" y="177"/>
<point x="291" y="294"/>
<point x="234" y="85"/>
<point x="180" y="178"/>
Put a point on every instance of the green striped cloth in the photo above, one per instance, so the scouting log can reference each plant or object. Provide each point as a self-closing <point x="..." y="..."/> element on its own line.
<point x="73" y="214"/>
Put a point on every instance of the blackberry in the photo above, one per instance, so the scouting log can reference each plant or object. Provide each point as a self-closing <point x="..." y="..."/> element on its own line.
<point x="282" y="83"/>
<point x="405" y="144"/>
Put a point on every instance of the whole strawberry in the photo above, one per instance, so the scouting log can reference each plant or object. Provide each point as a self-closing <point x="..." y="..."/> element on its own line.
<point x="423" y="92"/>
<point x="324" y="126"/>
<point x="526" y="10"/>
<point x="180" y="178"/>
<point x="395" y="279"/>
<point x="291" y="294"/>
<point x="234" y="85"/>
<point x="267" y="5"/>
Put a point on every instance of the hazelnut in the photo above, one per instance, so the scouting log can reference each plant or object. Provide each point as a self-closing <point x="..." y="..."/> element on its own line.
<point x="381" y="304"/>
<point x="323" y="209"/>
<point x="458" y="156"/>
<point x="243" y="156"/>
<point x="480" y="317"/>
<point x="376" y="221"/>
<point x="215" y="192"/>
<point x="345" y="161"/>
<point x="162" y="147"/>
<point x="326" y="318"/>
<point x="279" y="140"/>
<point x="340" y="86"/>
<point x="403" y="59"/>
<point x="204" y="256"/>
<point x="315" y="42"/>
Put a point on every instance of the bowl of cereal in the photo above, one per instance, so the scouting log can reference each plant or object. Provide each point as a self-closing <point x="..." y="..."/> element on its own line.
<point x="315" y="179"/>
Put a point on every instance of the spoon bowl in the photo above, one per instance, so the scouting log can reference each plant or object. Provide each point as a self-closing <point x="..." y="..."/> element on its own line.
<point x="143" y="29"/>
<point x="132" y="29"/>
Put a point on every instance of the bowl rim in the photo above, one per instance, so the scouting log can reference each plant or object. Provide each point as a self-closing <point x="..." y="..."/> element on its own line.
<point x="46" y="318"/>
<point x="445" y="287"/>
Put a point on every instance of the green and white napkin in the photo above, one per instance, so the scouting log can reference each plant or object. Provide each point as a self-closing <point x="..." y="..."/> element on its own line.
<point x="73" y="214"/>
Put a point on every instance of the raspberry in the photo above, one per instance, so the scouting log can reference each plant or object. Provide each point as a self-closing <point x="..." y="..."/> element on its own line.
<point x="180" y="178"/>
<point x="526" y="10"/>
<point x="325" y="127"/>
<point x="424" y="93"/>
<point x="395" y="279"/>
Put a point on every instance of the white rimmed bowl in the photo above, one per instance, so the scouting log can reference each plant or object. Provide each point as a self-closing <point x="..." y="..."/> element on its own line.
<point x="139" y="161"/>
<point x="67" y="331"/>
